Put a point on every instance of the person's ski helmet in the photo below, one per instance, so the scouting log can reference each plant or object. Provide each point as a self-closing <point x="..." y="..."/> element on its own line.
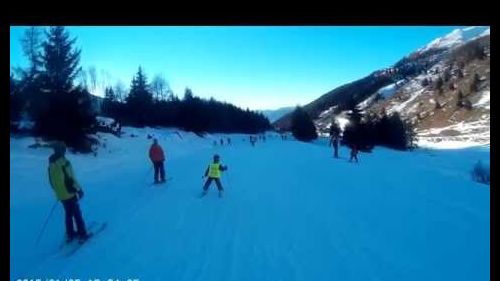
<point x="59" y="147"/>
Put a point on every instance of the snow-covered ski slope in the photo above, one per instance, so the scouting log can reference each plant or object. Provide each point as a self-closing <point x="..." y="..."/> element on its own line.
<point x="290" y="212"/>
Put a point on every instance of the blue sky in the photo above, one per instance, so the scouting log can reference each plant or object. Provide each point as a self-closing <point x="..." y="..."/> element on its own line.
<point x="255" y="67"/>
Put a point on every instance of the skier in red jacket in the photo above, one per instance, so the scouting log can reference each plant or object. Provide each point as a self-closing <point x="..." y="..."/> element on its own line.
<point x="157" y="157"/>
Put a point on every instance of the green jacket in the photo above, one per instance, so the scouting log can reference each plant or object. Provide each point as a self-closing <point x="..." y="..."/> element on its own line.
<point x="61" y="178"/>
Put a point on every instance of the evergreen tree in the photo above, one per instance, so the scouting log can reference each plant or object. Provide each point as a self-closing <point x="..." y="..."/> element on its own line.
<point x="110" y="103"/>
<point x="140" y="100"/>
<point x="303" y="127"/>
<point x="474" y="87"/>
<point x="460" y="99"/>
<point x="352" y="132"/>
<point x="63" y="112"/>
<point x="395" y="133"/>
<point x="439" y="85"/>
<point x="60" y="61"/>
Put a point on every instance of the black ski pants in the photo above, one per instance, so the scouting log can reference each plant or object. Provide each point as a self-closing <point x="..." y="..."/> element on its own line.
<point x="159" y="169"/>
<point x="72" y="213"/>
<point x="209" y="181"/>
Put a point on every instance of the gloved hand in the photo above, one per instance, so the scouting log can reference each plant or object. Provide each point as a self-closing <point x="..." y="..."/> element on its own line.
<point x="80" y="194"/>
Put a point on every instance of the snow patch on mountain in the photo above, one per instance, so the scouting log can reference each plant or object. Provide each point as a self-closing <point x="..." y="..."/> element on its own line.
<point x="456" y="38"/>
<point x="484" y="101"/>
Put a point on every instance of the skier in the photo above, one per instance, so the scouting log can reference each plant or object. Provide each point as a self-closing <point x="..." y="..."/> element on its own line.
<point x="229" y="141"/>
<point x="213" y="172"/>
<point x="157" y="157"/>
<point x="68" y="191"/>
<point x="354" y="153"/>
<point x="221" y="142"/>
<point x="334" y="141"/>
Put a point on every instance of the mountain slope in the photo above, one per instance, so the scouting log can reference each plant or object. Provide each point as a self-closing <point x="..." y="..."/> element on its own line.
<point x="409" y="87"/>
<point x="275" y="114"/>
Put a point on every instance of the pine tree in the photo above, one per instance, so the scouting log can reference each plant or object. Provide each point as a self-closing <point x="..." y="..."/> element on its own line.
<point x="140" y="99"/>
<point x="439" y="85"/>
<point x="303" y="127"/>
<point x="352" y="132"/>
<point x="460" y="99"/>
<point x="63" y="112"/>
<point x="109" y="103"/>
<point x="60" y="61"/>
<point x="475" y="83"/>
<point x="188" y="94"/>
<point x="395" y="133"/>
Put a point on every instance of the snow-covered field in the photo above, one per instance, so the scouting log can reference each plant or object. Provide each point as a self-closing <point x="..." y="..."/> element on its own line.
<point x="290" y="212"/>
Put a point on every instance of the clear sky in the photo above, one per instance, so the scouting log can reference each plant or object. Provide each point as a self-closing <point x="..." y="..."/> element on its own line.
<point x="255" y="67"/>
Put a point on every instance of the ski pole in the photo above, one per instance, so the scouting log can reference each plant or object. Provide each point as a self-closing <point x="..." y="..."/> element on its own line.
<point x="45" y="224"/>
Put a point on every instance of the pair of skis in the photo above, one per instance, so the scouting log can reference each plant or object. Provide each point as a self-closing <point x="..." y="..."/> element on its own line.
<point x="161" y="182"/>
<point x="67" y="249"/>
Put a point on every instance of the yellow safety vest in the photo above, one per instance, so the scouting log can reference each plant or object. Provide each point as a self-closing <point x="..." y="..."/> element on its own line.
<point x="214" y="170"/>
<point x="60" y="176"/>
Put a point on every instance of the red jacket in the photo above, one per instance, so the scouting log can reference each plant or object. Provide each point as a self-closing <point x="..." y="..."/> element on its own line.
<point x="156" y="153"/>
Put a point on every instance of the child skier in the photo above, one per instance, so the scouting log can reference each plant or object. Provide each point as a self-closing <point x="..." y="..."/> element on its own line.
<point x="354" y="153"/>
<point x="68" y="191"/>
<point x="213" y="172"/>
<point x="157" y="158"/>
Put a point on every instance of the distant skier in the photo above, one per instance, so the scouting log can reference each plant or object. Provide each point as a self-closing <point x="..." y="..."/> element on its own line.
<point x="354" y="153"/>
<point x="157" y="157"/>
<point x="229" y="141"/>
<point x="213" y="172"/>
<point x="68" y="191"/>
<point x="221" y="142"/>
<point x="334" y="141"/>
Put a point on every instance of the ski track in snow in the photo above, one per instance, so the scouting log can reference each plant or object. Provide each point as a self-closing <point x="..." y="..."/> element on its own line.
<point x="290" y="212"/>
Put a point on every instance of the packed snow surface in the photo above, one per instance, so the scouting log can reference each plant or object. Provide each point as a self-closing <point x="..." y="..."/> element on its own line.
<point x="290" y="212"/>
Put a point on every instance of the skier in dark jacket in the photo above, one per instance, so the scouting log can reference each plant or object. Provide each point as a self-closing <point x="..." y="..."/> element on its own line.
<point x="68" y="191"/>
<point x="334" y="141"/>
<point x="213" y="172"/>
<point x="354" y="153"/>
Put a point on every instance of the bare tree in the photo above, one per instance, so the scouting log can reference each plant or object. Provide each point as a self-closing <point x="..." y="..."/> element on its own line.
<point x="31" y="44"/>
<point x="120" y="91"/>
<point x="105" y="79"/>
<point x="93" y="78"/>
<point x="160" y="87"/>
<point x="83" y="78"/>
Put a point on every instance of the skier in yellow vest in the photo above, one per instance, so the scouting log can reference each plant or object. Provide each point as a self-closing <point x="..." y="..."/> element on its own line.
<point x="68" y="191"/>
<point x="213" y="172"/>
